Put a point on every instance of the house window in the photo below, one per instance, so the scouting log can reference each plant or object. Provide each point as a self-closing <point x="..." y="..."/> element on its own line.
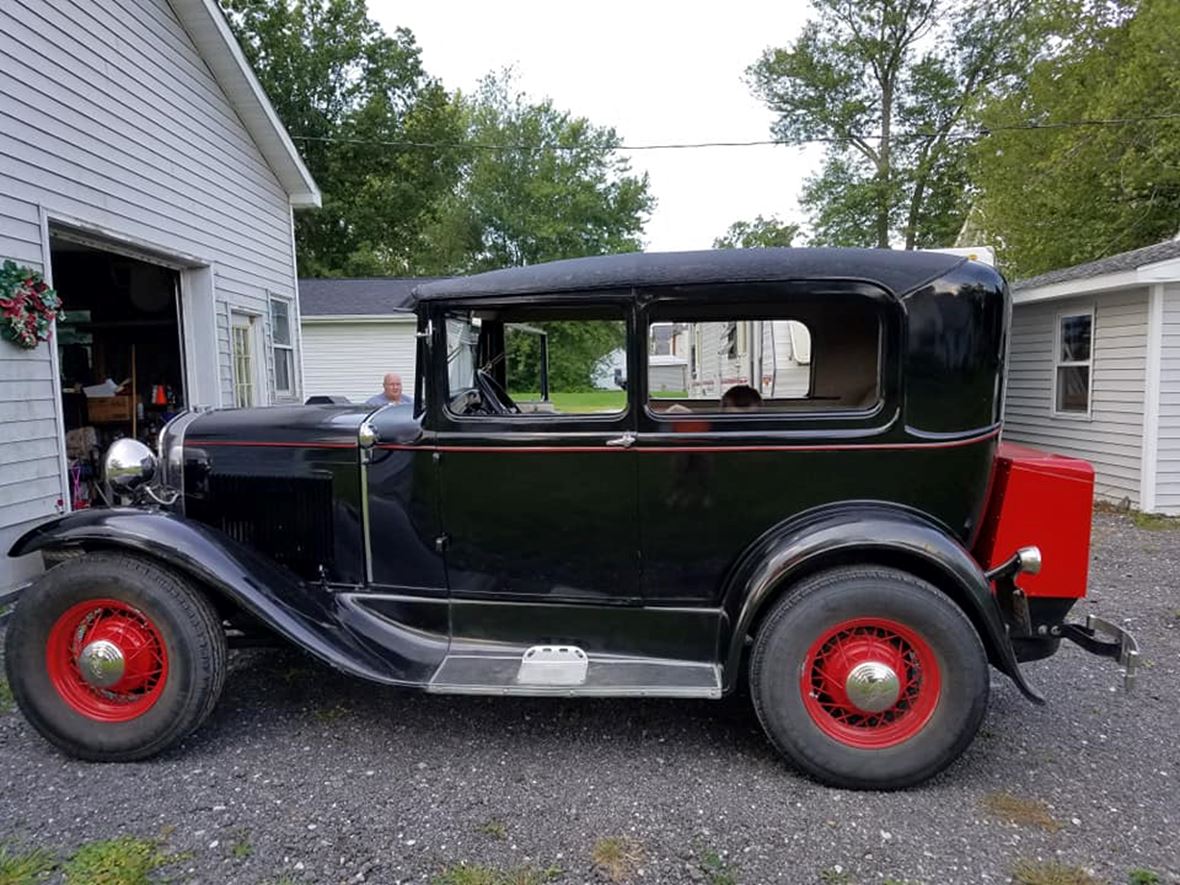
<point x="284" y="350"/>
<point x="1074" y="362"/>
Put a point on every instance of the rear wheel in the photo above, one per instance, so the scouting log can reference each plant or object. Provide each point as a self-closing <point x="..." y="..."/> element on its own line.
<point x="869" y="678"/>
<point x="114" y="658"/>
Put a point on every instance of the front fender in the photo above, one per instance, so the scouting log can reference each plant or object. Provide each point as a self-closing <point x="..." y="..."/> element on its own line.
<point x="863" y="533"/>
<point x="330" y="626"/>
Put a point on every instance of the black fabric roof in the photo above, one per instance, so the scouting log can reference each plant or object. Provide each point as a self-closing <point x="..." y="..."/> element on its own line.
<point x="897" y="271"/>
<point x="372" y="296"/>
<point x="1112" y="264"/>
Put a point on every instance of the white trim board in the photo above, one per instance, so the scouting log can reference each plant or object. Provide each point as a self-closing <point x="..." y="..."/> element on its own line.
<point x="1151" y="399"/>
<point x="359" y="318"/>
<point x="59" y="418"/>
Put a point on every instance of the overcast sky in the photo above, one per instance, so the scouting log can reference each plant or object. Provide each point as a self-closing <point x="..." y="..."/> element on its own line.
<point x="657" y="72"/>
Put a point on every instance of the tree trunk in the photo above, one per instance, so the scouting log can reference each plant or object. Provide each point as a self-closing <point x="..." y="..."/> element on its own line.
<point x="911" y="228"/>
<point x="883" y="170"/>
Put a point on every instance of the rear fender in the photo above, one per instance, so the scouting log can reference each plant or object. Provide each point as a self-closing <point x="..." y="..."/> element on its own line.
<point x="331" y="626"/>
<point x="862" y="533"/>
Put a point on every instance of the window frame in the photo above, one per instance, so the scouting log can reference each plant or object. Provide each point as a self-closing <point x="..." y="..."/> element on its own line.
<point x="1059" y="363"/>
<point x="289" y="348"/>
<point x="769" y="300"/>
<point x="534" y="421"/>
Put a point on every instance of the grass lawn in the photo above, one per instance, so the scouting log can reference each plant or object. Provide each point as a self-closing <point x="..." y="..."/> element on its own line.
<point x="589" y="401"/>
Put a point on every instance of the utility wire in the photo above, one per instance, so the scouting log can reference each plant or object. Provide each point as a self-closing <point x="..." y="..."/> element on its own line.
<point x="982" y="132"/>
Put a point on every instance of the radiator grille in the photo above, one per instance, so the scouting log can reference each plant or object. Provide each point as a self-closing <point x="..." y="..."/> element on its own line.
<point x="287" y="518"/>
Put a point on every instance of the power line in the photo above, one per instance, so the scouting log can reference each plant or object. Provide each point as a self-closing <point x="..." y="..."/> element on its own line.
<point x="962" y="135"/>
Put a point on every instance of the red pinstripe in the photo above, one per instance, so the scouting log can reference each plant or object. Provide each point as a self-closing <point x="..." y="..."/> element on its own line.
<point x="828" y="447"/>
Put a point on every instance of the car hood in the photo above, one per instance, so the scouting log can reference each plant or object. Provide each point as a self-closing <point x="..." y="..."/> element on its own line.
<point x="317" y="425"/>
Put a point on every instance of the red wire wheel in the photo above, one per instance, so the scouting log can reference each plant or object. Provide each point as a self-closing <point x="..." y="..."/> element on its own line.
<point x="107" y="660"/>
<point x="870" y="683"/>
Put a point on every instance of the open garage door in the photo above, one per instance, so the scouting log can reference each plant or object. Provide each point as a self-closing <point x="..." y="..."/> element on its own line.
<point x="120" y="353"/>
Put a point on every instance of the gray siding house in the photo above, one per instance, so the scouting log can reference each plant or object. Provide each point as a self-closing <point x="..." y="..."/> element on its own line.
<point x="1095" y="371"/>
<point x="144" y="173"/>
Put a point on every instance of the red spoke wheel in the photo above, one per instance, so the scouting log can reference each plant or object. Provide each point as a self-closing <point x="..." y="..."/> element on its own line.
<point x="870" y="682"/>
<point x="113" y="658"/>
<point x="107" y="660"/>
<point x="868" y="678"/>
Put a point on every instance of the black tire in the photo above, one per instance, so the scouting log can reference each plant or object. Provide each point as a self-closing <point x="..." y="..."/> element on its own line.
<point x="183" y="620"/>
<point x="795" y="721"/>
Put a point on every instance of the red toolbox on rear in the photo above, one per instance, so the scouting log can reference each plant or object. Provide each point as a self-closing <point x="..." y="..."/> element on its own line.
<point x="1044" y="500"/>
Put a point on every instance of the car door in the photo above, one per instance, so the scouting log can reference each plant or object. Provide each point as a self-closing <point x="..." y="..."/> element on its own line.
<point x="754" y="402"/>
<point x="538" y="505"/>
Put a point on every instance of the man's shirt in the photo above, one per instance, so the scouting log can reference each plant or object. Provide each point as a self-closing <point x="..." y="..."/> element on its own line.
<point x="380" y="400"/>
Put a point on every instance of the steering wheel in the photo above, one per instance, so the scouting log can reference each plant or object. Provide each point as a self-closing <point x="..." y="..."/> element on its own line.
<point x="468" y="402"/>
<point x="494" y="395"/>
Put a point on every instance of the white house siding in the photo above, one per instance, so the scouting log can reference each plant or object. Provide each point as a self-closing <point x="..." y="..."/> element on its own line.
<point x="1167" y="496"/>
<point x="30" y="463"/>
<point x="1112" y="438"/>
<point x="667" y="376"/>
<point x="350" y="358"/>
<point x="790" y="377"/>
<point x="110" y="120"/>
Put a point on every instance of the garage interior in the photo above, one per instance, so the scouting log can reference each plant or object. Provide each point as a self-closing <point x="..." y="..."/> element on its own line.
<point x="120" y="354"/>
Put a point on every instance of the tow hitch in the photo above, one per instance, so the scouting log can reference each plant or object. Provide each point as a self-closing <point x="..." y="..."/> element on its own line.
<point x="1013" y="604"/>
<point x="1121" y="647"/>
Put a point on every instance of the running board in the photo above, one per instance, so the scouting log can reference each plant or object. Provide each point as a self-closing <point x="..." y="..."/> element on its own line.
<point x="567" y="671"/>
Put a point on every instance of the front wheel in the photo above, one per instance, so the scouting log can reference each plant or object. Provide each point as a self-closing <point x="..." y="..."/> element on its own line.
<point x="869" y="678"/>
<point x="113" y="658"/>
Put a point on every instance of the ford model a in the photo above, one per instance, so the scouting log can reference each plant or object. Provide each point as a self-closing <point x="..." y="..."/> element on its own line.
<point x="797" y="484"/>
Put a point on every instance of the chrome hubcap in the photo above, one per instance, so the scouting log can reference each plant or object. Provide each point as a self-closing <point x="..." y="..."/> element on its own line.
<point x="101" y="663"/>
<point x="873" y="686"/>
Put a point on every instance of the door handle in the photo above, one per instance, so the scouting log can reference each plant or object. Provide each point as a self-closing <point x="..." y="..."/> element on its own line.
<point x="625" y="441"/>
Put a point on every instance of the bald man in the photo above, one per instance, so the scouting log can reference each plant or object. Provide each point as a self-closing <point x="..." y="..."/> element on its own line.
<point x="391" y="393"/>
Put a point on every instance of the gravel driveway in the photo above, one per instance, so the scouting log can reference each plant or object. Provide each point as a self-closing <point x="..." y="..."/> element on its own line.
<point x="304" y="775"/>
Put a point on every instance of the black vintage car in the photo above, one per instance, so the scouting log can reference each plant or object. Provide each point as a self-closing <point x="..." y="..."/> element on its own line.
<point x="801" y="488"/>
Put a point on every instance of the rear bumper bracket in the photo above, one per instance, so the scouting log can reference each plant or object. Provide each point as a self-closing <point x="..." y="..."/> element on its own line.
<point x="1121" y="646"/>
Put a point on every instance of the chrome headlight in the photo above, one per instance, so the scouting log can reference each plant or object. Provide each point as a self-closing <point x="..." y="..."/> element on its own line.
<point x="128" y="464"/>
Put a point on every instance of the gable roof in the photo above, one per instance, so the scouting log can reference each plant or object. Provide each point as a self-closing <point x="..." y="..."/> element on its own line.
<point x="210" y="32"/>
<point x="371" y="296"/>
<point x="897" y="271"/>
<point x="1124" y="261"/>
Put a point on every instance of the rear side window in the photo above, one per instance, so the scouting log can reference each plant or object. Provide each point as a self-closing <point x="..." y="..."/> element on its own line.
<point x="755" y="361"/>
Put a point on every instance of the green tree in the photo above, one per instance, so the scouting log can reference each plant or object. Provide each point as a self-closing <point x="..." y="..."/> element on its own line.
<point x="538" y="184"/>
<point x="576" y="349"/>
<point x="887" y="83"/>
<point x="1056" y="196"/>
<point x="345" y="89"/>
<point x="759" y="232"/>
<point x="521" y="200"/>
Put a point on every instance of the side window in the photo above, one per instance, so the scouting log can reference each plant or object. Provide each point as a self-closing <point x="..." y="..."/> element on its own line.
<point x="521" y="363"/>
<point x="281" y="345"/>
<point x="756" y="361"/>
<point x="1074" y="361"/>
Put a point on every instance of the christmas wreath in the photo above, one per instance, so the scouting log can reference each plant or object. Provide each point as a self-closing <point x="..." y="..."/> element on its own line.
<point x="28" y="307"/>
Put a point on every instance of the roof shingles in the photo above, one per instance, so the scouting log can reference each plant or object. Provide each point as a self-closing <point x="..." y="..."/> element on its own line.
<point x="1136" y="258"/>
<point x="372" y="296"/>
